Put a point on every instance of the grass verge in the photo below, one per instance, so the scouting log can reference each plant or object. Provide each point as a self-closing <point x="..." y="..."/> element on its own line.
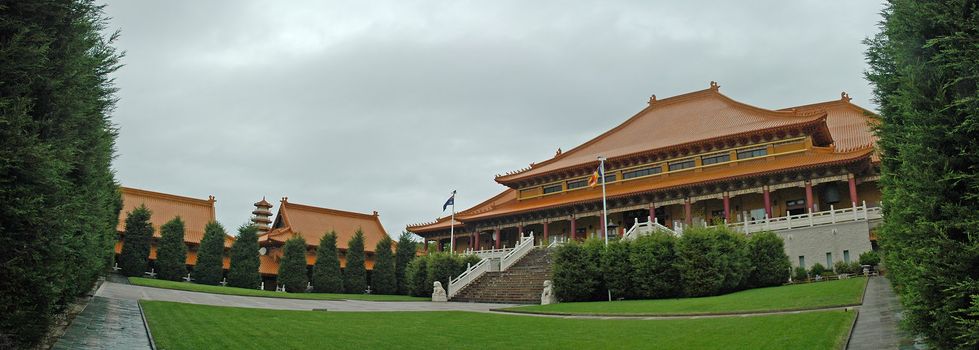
<point x="193" y="287"/>
<point x="189" y="326"/>
<point x="783" y="298"/>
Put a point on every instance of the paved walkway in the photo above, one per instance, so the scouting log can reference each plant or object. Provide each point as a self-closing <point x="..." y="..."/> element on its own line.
<point x="130" y="292"/>
<point x="106" y="324"/>
<point x="878" y="322"/>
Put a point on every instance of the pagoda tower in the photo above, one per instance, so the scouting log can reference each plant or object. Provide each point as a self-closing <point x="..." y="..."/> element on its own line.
<point x="262" y="215"/>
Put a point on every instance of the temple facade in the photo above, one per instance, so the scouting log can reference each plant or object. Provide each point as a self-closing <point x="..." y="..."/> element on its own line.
<point x="809" y="173"/>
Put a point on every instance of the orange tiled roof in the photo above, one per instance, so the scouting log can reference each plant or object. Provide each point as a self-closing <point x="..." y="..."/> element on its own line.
<point x="195" y="213"/>
<point x="849" y="123"/>
<point x="673" y="121"/>
<point x="313" y="222"/>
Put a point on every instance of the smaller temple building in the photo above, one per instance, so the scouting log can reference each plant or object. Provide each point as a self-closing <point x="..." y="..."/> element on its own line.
<point x="195" y="213"/>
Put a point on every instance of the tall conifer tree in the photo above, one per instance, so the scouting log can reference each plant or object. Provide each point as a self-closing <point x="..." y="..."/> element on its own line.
<point x="926" y="81"/>
<point x="383" y="280"/>
<point x="292" y="267"/>
<point x="135" y="255"/>
<point x="355" y="274"/>
<point x="60" y="200"/>
<point x="326" y="272"/>
<point x="405" y="251"/>
<point x="210" y="255"/>
<point x="243" y="269"/>
<point x="171" y="257"/>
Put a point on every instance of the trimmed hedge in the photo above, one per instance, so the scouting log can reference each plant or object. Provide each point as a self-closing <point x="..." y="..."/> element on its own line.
<point x="704" y="261"/>
<point x="327" y="277"/>
<point x="210" y="255"/>
<point x="416" y="277"/>
<point x="355" y="274"/>
<point x="244" y="264"/>
<point x="292" y="267"/>
<point x="422" y="272"/>
<point x="171" y="257"/>
<point x="137" y="235"/>
<point x="383" y="280"/>
<point x="405" y="251"/>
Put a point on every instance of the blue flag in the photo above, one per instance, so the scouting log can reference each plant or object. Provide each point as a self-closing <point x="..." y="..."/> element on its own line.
<point x="451" y="201"/>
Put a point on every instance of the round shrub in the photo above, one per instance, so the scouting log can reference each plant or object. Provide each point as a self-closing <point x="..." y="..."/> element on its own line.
<point x="652" y="258"/>
<point x="770" y="265"/>
<point x="442" y="266"/>
<point x="817" y="269"/>
<point x="799" y="274"/>
<point x="869" y="258"/>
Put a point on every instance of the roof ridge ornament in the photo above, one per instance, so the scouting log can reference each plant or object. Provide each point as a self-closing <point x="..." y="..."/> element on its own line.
<point x="714" y="86"/>
<point x="652" y="99"/>
<point x="845" y="97"/>
<point x="558" y="152"/>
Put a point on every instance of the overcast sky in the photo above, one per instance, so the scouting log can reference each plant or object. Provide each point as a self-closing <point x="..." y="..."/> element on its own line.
<point x="367" y="106"/>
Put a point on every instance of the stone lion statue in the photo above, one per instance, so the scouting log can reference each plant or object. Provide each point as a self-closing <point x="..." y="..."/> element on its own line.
<point x="547" y="296"/>
<point x="438" y="293"/>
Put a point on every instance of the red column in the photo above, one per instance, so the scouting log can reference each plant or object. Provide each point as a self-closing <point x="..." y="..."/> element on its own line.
<point x="520" y="231"/>
<point x="687" y="212"/>
<point x="853" y="190"/>
<point x="574" y="229"/>
<point x="476" y="240"/>
<point x="545" y="232"/>
<point x="809" y="196"/>
<point x="727" y="207"/>
<point x="768" y="203"/>
<point x="496" y="235"/>
<point x="426" y="246"/>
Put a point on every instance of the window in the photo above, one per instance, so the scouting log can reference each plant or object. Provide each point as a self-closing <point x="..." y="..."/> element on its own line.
<point x="552" y="189"/>
<point x="751" y="153"/>
<point x="641" y="172"/>
<point x="683" y="164"/>
<point x="609" y="178"/>
<point x="802" y="261"/>
<point x="719" y="158"/>
<point x="846" y="256"/>
<point x="829" y="260"/>
<point x="577" y="184"/>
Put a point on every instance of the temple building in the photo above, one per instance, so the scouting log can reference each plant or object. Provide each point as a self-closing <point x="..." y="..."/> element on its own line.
<point x="312" y="223"/>
<point x="809" y="173"/>
<point x="195" y="213"/>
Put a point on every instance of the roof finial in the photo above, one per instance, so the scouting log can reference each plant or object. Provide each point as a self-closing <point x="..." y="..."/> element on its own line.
<point x="714" y="86"/>
<point x="845" y="97"/>
<point x="285" y="199"/>
<point x="652" y="99"/>
<point x="375" y="213"/>
<point x="558" y="152"/>
<point x="211" y="199"/>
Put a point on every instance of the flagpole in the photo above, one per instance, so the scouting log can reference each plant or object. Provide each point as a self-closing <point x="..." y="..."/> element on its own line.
<point x="604" y="213"/>
<point x="452" y="225"/>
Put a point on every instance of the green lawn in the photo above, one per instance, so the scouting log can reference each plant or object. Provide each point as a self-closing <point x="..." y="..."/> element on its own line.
<point x="790" y="297"/>
<point x="188" y="326"/>
<point x="193" y="287"/>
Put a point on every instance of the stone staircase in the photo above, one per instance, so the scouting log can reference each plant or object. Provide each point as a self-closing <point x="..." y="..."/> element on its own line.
<point x="522" y="283"/>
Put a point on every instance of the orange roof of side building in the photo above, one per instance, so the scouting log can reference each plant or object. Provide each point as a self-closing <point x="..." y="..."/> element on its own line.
<point x="314" y="222"/>
<point x="195" y="213"/>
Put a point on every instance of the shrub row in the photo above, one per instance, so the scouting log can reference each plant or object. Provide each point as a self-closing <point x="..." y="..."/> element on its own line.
<point x="422" y="272"/>
<point x="704" y="261"/>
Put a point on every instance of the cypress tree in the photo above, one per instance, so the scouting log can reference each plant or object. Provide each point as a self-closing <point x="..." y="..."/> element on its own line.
<point x="326" y="272"/>
<point x="355" y="274"/>
<point x="171" y="252"/>
<point x="292" y="267"/>
<point x="405" y="251"/>
<point x="923" y="68"/>
<point x="243" y="268"/>
<point x="60" y="200"/>
<point x="137" y="237"/>
<point x="383" y="280"/>
<point x="210" y="255"/>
